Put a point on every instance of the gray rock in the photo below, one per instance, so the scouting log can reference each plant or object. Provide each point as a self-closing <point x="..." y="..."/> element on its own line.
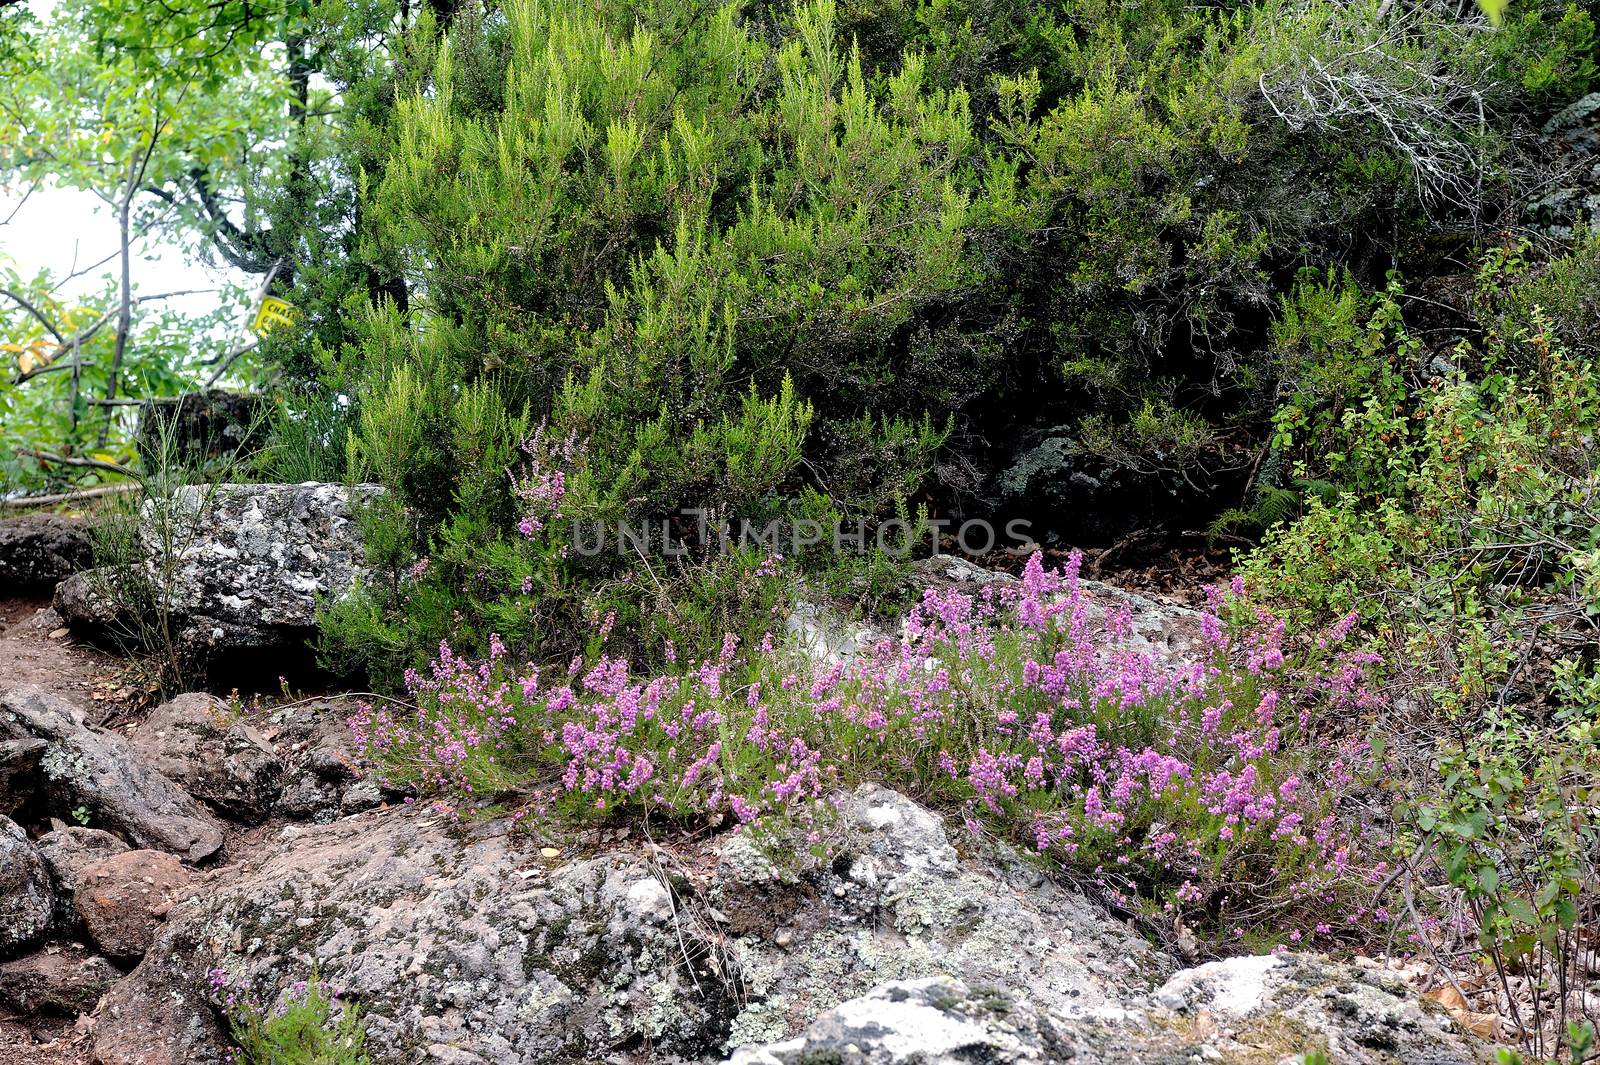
<point x="198" y="429"/>
<point x="85" y="602"/>
<point x="197" y="742"/>
<point x="464" y="937"/>
<point x="824" y="637"/>
<point x="251" y="565"/>
<point x="19" y="765"/>
<point x="1362" y="1016"/>
<point x="1572" y="144"/>
<point x="67" y="851"/>
<point x="461" y="939"/>
<point x="894" y="902"/>
<point x="309" y="798"/>
<point x="38" y="551"/>
<point x="1267" y="1009"/>
<point x="464" y="944"/>
<point x="68" y="981"/>
<point x="314" y="740"/>
<point x="935" y="1021"/>
<point x="99" y="772"/>
<point x="27" y="900"/>
<point x="360" y="797"/>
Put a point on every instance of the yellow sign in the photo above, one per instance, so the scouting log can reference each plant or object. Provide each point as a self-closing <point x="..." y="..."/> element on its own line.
<point x="273" y="313"/>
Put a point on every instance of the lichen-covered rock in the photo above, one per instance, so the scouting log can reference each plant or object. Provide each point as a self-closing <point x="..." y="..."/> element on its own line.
<point x="27" y="899"/>
<point x="199" y="428"/>
<point x="122" y="900"/>
<point x="313" y="740"/>
<point x="85" y="603"/>
<point x="894" y="902"/>
<point x="251" y="564"/>
<point x="196" y="741"/>
<point x="467" y="944"/>
<point x="100" y="773"/>
<point x="68" y="981"/>
<point x="1266" y="1010"/>
<point x="1572" y="143"/>
<point x="1356" y="1015"/>
<point x="465" y="941"/>
<point x="457" y="940"/>
<point x="935" y="1021"/>
<point x="38" y="551"/>
<point x="19" y="766"/>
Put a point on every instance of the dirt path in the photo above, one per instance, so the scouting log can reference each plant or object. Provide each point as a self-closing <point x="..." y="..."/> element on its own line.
<point x="21" y="1045"/>
<point x="36" y="649"/>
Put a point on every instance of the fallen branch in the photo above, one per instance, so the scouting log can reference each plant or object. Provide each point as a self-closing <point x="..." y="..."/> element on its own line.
<point x="87" y="464"/>
<point x="19" y="502"/>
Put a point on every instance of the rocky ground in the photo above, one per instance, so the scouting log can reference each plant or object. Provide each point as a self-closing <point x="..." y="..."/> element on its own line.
<point x="155" y="859"/>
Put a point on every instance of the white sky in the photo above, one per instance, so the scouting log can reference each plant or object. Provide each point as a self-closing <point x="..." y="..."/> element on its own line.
<point x="62" y="230"/>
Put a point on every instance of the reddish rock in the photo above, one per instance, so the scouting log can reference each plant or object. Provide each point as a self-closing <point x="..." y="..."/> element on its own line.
<point x="124" y="899"/>
<point x="198" y="742"/>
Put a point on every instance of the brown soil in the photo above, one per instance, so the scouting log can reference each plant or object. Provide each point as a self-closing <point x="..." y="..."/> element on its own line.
<point x="36" y="649"/>
<point x="42" y="1043"/>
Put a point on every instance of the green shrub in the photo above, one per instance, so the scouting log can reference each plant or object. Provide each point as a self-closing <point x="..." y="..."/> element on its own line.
<point x="1464" y="537"/>
<point x="310" y="1025"/>
<point x="761" y="251"/>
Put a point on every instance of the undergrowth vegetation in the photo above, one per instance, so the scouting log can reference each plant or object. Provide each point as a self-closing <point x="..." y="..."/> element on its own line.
<point x="1464" y="532"/>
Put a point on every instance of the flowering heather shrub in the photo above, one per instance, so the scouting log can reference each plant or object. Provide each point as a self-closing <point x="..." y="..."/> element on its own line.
<point x="1211" y="787"/>
<point x="309" y="1025"/>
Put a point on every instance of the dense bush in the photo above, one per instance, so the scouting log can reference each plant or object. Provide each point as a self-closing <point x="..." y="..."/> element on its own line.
<point x="996" y="251"/>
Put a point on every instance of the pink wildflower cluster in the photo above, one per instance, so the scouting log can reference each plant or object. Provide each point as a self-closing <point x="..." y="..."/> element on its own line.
<point x="1026" y="708"/>
<point x="541" y="484"/>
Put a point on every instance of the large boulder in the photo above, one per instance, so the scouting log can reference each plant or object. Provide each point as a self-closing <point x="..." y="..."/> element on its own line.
<point x="99" y="773"/>
<point x="27" y="899"/>
<point x="241" y="565"/>
<point x="122" y="900"/>
<point x="466" y="944"/>
<point x="38" y="551"/>
<point x="200" y="429"/>
<point x="1260" y="1009"/>
<point x="198" y="742"/>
